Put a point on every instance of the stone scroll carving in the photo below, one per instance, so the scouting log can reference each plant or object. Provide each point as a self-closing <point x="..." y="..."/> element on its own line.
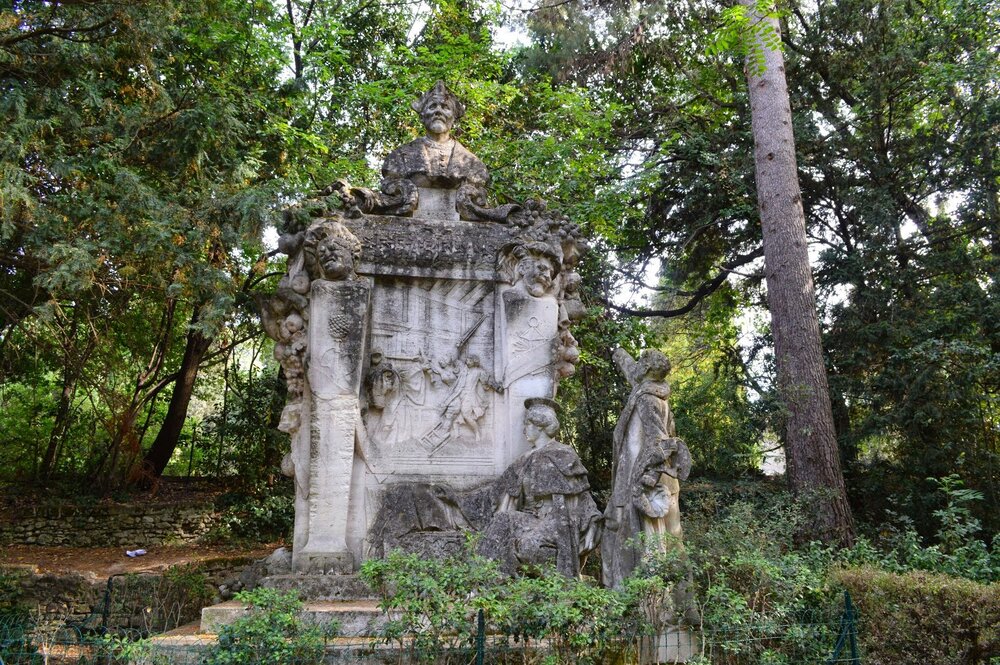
<point x="411" y="326"/>
<point x="649" y="461"/>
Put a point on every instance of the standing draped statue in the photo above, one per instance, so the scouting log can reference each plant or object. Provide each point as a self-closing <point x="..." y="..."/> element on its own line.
<point x="648" y="464"/>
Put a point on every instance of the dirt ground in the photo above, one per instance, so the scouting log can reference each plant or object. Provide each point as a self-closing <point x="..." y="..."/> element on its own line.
<point x="107" y="561"/>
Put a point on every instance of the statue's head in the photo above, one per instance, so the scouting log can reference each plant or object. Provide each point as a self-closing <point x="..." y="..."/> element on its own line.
<point x="376" y="356"/>
<point x="472" y="360"/>
<point x="332" y="250"/>
<point x="653" y="365"/>
<point x="541" y="417"/>
<point x="439" y="109"/>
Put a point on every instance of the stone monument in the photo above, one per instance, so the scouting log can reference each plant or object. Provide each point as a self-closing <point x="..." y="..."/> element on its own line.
<point x="412" y="325"/>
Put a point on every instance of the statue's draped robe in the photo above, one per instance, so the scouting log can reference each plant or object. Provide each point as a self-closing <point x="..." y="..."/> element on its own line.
<point x="645" y="421"/>
<point x="554" y="517"/>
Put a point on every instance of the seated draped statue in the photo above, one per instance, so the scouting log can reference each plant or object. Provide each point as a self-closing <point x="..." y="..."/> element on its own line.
<point x="545" y="513"/>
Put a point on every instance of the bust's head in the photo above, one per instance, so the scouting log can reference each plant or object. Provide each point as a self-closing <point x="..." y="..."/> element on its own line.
<point x="439" y="109"/>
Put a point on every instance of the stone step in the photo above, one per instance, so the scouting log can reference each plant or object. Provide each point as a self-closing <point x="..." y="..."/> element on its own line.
<point x="355" y="617"/>
<point x="322" y="587"/>
<point x="188" y="645"/>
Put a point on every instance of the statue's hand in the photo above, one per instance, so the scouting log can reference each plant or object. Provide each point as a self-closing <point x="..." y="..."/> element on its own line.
<point x="613" y="518"/>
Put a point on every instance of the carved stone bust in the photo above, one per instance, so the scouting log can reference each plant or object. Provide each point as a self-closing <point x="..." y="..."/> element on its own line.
<point x="434" y="176"/>
<point x="437" y="159"/>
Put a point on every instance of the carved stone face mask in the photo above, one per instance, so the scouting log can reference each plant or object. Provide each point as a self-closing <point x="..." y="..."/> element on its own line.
<point x="335" y="261"/>
<point x="537" y="274"/>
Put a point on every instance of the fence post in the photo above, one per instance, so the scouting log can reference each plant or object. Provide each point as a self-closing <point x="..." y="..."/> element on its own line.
<point x="848" y="633"/>
<point x="852" y="616"/>
<point x="480" y="637"/>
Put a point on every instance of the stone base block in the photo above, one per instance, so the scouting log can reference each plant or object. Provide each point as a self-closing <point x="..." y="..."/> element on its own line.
<point x="338" y="563"/>
<point x="673" y="645"/>
<point x="321" y="587"/>
<point x="356" y="618"/>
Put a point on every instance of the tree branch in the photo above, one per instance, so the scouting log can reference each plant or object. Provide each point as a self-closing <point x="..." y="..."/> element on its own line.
<point x="706" y="289"/>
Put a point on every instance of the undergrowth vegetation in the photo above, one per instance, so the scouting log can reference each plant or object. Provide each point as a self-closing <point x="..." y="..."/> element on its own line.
<point x="741" y="583"/>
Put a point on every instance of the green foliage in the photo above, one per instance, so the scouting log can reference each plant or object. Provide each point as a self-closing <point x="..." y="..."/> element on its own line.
<point x="894" y="108"/>
<point x="582" y="622"/>
<point x="434" y="604"/>
<point x="436" y="599"/>
<point x="272" y="633"/>
<point x="761" y="599"/>
<point x="264" y="515"/>
<point x="238" y="436"/>
<point x="710" y="398"/>
<point x="957" y="551"/>
<point x="746" y="31"/>
<point x="921" y="617"/>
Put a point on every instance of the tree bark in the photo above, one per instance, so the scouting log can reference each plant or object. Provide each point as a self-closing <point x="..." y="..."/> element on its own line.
<point x="159" y="453"/>
<point x="813" y="462"/>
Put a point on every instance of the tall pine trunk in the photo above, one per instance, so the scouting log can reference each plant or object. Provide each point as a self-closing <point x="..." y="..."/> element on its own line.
<point x="159" y="453"/>
<point x="813" y="461"/>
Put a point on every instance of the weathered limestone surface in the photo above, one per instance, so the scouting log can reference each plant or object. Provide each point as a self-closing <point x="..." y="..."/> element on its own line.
<point x="545" y="513"/>
<point x="648" y="464"/>
<point x="413" y="324"/>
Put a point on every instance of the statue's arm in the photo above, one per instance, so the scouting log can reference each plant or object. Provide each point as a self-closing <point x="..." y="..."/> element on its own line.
<point x="626" y="364"/>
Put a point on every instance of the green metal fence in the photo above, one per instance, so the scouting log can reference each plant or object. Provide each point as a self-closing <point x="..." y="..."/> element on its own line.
<point x="26" y="641"/>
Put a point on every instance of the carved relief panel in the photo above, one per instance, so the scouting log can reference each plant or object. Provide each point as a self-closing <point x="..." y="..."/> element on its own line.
<point x="430" y="387"/>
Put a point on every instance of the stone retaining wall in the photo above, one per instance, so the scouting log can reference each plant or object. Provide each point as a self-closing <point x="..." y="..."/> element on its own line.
<point x="130" y="526"/>
<point x="78" y="598"/>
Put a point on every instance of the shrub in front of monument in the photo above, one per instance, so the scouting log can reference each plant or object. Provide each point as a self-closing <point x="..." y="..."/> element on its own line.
<point x="433" y="603"/>
<point x="577" y="620"/>
<point x="540" y="616"/>
<point x="271" y="633"/>
<point x="741" y="584"/>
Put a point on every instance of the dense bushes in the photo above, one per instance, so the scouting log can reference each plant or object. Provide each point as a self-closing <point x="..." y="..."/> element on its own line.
<point x="259" y="515"/>
<point x="922" y="617"/>
<point x="434" y="603"/>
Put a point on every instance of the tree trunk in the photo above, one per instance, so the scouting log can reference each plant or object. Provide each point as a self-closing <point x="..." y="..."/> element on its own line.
<point x="810" y="442"/>
<point x="61" y="423"/>
<point x="166" y="440"/>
